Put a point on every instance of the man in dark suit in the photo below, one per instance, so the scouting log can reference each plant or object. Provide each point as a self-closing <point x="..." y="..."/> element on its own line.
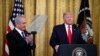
<point x="19" y="42"/>
<point x="66" y="33"/>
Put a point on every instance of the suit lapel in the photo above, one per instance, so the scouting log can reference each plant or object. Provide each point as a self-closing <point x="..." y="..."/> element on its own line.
<point x="19" y="36"/>
<point x="64" y="33"/>
<point x="17" y="33"/>
<point x="73" y="34"/>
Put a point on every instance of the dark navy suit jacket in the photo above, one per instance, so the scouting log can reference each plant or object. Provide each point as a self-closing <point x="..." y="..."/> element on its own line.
<point x="17" y="45"/>
<point x="59" y="36"/>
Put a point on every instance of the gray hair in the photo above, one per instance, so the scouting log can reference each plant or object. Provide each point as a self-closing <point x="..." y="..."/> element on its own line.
<point x="18" y="18"/>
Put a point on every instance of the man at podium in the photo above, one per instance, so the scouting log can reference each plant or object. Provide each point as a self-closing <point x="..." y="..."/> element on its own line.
<point x="66" y="33"/>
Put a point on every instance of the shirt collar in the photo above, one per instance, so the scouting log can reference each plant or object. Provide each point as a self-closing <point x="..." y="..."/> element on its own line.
<point x="18" y="30"/>
<point x="66" y="25"/>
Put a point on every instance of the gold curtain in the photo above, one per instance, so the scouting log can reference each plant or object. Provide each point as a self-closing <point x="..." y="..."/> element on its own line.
<point x="54" y="9"/>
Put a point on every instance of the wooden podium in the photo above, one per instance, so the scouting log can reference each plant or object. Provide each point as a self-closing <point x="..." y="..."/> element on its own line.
<point x="77" y="50"/>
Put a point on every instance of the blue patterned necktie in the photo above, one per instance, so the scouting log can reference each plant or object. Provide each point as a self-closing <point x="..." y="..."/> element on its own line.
<point x="23" y="35"/>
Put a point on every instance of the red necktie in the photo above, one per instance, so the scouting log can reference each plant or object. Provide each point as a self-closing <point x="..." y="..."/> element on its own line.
<point x="69" y="35"/>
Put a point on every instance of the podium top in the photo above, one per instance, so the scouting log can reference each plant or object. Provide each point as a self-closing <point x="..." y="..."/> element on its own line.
<point x="77" y="49"/>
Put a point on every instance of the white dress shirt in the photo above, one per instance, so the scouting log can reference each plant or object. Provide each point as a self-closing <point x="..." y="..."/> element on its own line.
<point x="66" y="26"/>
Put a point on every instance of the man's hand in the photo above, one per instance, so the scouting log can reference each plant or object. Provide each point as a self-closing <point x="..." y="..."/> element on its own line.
<point x="56" y="48"/>
<point x="29" y="38"/>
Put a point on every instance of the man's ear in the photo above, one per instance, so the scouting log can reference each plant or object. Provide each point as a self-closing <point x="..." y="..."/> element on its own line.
<point x="16" y="24"/>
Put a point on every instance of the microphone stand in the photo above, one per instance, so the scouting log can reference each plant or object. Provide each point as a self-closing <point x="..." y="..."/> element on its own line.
<point x="34" y="44"/>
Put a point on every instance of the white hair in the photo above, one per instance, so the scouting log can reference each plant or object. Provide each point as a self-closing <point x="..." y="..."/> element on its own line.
<point x="18" y="18"/>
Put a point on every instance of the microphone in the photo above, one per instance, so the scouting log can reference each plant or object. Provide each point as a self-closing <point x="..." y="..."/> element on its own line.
<point x="33" y="32"/>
